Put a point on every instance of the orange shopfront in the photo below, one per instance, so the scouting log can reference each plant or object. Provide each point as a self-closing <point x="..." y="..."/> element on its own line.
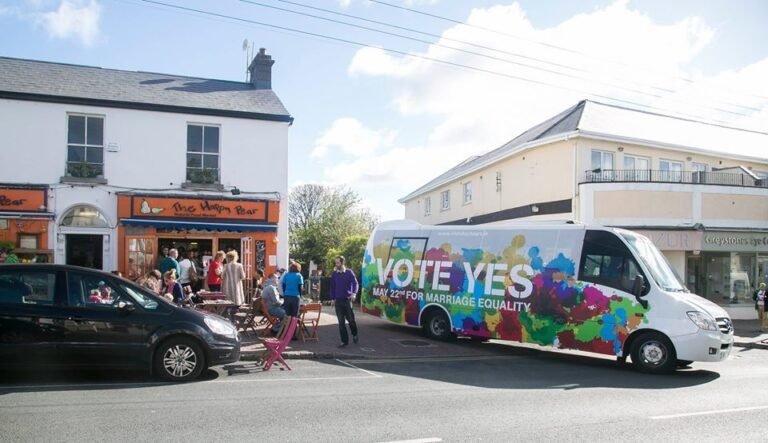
<point x="24" y="222"/>
<point x="198" y="227"/>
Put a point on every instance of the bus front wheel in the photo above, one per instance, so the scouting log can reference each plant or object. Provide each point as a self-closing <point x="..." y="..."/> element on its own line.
<point x="653" y="353"/>
<point x="437" y="326"/>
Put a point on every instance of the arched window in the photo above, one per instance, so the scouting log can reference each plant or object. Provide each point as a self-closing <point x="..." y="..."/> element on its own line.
<point x="84" y="216"/>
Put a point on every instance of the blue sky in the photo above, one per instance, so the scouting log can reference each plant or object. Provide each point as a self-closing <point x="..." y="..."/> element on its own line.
<point x="384" y="123"/>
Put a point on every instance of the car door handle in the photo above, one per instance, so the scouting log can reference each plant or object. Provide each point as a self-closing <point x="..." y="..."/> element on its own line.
<point x="76" y="318"/>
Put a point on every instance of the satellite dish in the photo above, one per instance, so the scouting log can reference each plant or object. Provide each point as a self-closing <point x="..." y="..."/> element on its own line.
<point x="246" y="45"/>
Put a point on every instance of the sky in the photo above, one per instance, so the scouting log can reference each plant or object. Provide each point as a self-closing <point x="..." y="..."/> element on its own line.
<point x="384" y="114"/>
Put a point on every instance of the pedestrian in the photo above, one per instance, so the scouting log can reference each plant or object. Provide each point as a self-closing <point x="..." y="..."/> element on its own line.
<point x="169" y="262"/>
<point x="343" y="293"/>
<point x="3" y="255"/>
<point x="188" y="271"/>
<point x="292" y="282"/>
<point x="273" y="301"/>
<point x="232" y="279"/>
<point x="172" y="287"/>
<point x="760" y="304"/>
<point x="215" y="269"/>
<point x="151" y="281"/>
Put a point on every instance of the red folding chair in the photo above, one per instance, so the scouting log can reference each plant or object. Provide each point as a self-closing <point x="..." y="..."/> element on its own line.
<point x="276" y="346"/>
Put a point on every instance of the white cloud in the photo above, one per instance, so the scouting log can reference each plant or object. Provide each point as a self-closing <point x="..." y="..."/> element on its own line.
<point x="617" y="52"/>
<point x="354" y="139"/>
<point x="74" y="18"/>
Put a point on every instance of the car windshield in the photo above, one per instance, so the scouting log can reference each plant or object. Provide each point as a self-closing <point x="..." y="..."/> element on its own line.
<point x="141" y="297"/>
<point x="654" y="261"/>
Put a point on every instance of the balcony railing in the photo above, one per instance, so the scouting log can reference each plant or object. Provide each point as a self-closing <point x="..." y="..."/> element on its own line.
<point x="658" y="176"/>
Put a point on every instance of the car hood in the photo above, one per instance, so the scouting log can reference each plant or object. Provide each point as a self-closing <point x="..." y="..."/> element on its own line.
<point x="704" y="305"/>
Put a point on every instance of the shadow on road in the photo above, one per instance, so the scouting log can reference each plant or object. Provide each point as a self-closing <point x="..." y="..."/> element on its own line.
<point x="58" y="379"/>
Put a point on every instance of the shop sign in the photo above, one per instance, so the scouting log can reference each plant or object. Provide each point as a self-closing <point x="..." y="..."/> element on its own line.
<point x="22" y="200"/>
<point x="675" y="240"/>
<point x="171" y="207"/>
<point x="736" y="241"/>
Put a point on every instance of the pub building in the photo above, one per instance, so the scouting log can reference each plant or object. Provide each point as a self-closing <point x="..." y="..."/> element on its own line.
<point x="197" y="226"/>
<point x="24" y="222"/>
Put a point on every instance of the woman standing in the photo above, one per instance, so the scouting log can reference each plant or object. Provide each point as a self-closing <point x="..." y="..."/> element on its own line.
<point x="292" y="283"/>
<point x="215" y="269"/>
<point x="232" y="279"/>
<point x="760" y="304"/>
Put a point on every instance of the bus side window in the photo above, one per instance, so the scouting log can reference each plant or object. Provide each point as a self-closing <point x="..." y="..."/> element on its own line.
<point x="605" y="260"/>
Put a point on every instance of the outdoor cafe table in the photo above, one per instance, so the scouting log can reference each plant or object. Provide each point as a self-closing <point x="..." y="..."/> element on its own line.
<point x="226" y="309"/>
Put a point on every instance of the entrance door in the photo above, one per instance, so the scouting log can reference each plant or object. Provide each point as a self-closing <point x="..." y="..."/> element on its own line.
<point x="85" y="250"/>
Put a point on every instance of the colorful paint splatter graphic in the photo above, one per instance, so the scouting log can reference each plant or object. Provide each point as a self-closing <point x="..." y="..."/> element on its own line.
<point x="511" y="295"/>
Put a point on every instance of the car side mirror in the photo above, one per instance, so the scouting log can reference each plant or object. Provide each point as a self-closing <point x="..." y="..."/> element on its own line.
<point x="125" y="306"/>
<point x="638" y="289"/>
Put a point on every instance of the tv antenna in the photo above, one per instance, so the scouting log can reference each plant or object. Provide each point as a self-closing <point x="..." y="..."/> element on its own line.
<point x="248" y="50"/>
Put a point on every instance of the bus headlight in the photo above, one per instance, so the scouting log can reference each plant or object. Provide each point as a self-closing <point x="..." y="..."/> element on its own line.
<point x="703" y="321"/>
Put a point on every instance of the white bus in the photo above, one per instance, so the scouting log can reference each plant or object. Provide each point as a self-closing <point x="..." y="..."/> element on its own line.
<point x="565" y="285"/>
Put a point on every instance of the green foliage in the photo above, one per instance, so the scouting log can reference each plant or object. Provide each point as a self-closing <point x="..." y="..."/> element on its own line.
<point x="7" y="244"/>
<point x="321" y="218"/>
<point x="352" y="248"/>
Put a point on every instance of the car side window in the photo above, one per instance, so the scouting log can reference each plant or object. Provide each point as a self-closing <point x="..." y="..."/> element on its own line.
<point x="91" y="291"/>
<point x="605" y="260"/>
<point x="27" y="286"/>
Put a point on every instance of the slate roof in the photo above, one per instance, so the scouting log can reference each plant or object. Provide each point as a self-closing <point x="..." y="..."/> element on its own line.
<point x="64" y="83"/>
<point x="589" y="118"/>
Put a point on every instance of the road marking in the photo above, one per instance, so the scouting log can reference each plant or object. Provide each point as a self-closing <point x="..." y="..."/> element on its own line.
<point x="418" y="440"/>
<point x="718" y="411"/>
<point x="359" y="369"/>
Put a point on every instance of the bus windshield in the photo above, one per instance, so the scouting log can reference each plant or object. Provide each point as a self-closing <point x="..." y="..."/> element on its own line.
<point x="654" y="261"/>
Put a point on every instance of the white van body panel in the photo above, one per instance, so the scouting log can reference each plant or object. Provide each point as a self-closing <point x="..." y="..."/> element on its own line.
<point x="529" y="283"/>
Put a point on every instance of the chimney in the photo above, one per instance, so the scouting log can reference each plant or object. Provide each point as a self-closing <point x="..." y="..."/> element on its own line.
<point x="261" y="70"/>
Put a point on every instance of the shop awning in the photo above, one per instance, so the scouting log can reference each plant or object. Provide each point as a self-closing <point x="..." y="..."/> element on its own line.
<point x="211" y="226"/>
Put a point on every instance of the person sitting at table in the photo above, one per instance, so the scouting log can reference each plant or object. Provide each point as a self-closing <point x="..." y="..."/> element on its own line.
<point x="273" y="302"/>
<point x="172" y="287"/>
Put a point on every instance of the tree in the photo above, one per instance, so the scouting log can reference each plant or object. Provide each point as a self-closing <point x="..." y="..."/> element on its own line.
<point x="352" y="249"/>
<point x="321" y="217"/>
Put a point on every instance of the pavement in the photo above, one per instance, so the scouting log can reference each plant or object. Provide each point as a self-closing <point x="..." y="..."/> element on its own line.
<point x="381" y="339"/>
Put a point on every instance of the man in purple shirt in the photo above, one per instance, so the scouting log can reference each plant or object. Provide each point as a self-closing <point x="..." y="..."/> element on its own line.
<point x="343" y="292"/>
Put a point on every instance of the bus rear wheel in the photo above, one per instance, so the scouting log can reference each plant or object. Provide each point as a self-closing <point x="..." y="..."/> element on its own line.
<point x="437" y="326"/>
<point x="653" y="353"/>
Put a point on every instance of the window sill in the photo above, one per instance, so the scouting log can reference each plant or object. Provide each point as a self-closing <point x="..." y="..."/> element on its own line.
<point x="84" y="180"/>
<point x="203" y="186"/>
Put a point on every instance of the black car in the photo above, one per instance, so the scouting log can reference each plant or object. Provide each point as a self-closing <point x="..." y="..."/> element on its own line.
<point x="67" y="315"/>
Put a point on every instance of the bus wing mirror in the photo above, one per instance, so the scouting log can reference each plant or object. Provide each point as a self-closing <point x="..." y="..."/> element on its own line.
<point x="638" y="288"/>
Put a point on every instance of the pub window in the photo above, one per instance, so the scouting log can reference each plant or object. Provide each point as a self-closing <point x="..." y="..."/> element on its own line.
<point x="203" y="154"/>
<point x="28" y="241"/>
<point x="85" y="146"/>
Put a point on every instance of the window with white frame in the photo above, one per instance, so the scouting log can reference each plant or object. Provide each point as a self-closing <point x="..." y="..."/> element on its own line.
<point x="498" y="181"/>
<point x="85" y="145"/>
<point x="636" y="167"/>
<point x="445" y="200"/>
<point x="699" y="167"/>
<point x="428" y="206"/>
<point x="602" y="165"/>
<point x="202" y="154"/>
<point x="671" y="170"/>
<point x="467" y="192"/>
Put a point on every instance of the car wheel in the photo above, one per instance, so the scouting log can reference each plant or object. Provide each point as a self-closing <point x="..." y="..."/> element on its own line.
<point x="179" y="359"/>
<point x="438" y="326"/>
<point x="654" y="353"/>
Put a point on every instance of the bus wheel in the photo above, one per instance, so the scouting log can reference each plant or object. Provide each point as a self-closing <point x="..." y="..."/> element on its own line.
<point x="438" y="326"/>
<point x="654" y="353"/>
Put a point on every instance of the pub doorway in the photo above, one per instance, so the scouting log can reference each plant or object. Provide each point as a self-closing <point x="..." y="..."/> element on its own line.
<point x="85" y="250"/>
